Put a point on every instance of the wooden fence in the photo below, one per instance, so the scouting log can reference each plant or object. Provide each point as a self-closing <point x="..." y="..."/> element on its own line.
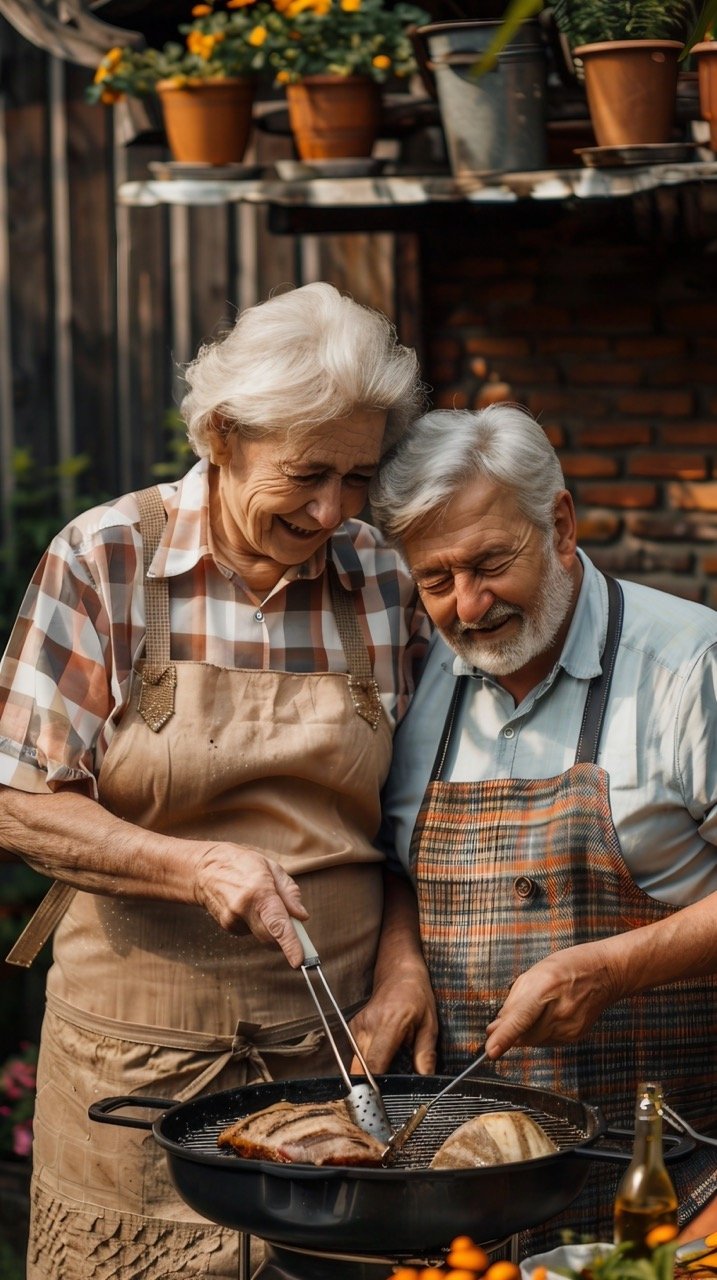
<point x="101" y="304"/>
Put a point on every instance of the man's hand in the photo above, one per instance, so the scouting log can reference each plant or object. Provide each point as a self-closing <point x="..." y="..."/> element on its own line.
<point x="558" y="999"/>
<point x="401" y="1011"/>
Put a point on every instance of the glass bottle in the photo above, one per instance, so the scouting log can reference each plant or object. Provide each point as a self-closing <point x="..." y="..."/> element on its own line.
<point x="645" y="1196"/>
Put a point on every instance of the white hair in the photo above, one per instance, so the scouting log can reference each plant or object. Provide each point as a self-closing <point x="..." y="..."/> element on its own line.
<point x="299" y="359"/>
<point x="446" y="449"/>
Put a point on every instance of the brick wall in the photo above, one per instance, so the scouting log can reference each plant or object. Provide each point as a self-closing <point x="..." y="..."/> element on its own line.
<point x="602" y="320"/>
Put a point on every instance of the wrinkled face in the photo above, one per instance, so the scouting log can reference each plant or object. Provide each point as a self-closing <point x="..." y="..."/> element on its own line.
<point x="498" y="588"/>
<point x="282" y="497"/>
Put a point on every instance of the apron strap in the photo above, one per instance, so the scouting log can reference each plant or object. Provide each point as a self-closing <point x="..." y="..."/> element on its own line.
<point x="595" y="704"/>
<point x="363" y="687"/>
<point x="599" y="688"/>
<point x="158" y="681"/>
<point x="159" y="674"/>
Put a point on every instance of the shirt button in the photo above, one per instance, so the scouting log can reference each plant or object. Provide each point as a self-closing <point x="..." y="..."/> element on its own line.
<point x="259" y="615"/>
<point x="525" y="887"/>
<point x="509" y="733"/>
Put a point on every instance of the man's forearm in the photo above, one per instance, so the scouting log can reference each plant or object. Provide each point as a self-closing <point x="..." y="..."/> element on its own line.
<point x="683" y="945"/>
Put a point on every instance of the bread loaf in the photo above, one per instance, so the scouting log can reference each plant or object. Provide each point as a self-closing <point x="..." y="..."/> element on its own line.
<point x="501" y="1137"/>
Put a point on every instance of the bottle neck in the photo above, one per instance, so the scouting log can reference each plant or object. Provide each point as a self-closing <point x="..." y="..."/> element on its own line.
<point x="648" y="1126"/>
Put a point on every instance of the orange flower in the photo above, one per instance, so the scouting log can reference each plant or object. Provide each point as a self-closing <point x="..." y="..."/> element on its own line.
<point x="467" y="1256"/>
<point x="350" y="6"/>
<point x="238" y="4"/>
<point x="283" y="77"/>
<point x="381" y="61"/>
<point x="503" y="1271"/>
<point x="201" y="10"/>
<point x="660" y="1234"/>
<point x="540" y="1273"/>
<point x="203" y="45"/>
<point x="109" y="97"/>
<point x="405" y="1273"/>
<point x="257" y="36"/>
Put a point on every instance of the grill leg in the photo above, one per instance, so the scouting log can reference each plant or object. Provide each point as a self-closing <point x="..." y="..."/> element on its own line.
<point x="244" y="1240"/>
<point x="515" y="1249"/>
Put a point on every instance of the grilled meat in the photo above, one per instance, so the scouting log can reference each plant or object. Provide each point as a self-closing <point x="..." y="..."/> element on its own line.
<point x="501" y="1137"/>
<point x="321" y="1133"/>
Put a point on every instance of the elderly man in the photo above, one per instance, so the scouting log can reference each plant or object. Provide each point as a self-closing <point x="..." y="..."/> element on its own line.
<point x="554" y="794"/>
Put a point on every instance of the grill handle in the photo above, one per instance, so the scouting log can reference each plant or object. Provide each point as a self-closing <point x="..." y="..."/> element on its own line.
<point x="676" y="1148"/>
<point x="102" y="1111"/>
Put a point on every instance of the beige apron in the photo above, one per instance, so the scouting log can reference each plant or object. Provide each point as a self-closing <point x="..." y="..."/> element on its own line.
<point x="155" y="998"/>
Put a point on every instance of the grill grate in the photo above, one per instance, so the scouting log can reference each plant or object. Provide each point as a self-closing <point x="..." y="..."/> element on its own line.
<point x="441" y="1120"/>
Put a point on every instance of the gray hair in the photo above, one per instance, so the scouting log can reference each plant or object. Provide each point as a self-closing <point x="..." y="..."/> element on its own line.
<point x="299" y="359"/>
<point x="448" y="448"/>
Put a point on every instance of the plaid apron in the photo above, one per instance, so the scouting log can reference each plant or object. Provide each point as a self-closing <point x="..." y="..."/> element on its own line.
<point x="510" y="870"/>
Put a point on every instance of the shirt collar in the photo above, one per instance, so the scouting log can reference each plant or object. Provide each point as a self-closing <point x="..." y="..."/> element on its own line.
<point x="185" y="538"/>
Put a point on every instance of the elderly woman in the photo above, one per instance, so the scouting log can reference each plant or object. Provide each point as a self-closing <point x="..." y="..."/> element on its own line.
<point x="196" y="716"/>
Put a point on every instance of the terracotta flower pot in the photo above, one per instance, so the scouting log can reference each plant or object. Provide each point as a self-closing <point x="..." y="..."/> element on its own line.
<point x="631" y="88"/>
<point x="706" y="55"/>
<point x="207" y="121"/>
<point x="334" y="116"/>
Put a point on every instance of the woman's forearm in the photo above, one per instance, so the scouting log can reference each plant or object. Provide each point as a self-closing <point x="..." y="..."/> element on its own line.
<point x="72" y="838"/>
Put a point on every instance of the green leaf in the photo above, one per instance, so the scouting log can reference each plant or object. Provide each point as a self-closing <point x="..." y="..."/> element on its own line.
<point x="518" y="12"/>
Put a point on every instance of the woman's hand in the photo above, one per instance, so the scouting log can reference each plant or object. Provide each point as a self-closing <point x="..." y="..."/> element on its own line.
<point x="401" y="1011"/>
<point x="558" y="999"/>
<point x="240" y="885"/>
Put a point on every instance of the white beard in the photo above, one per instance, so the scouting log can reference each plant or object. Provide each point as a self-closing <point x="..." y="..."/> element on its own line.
<point x="538" y="625"/>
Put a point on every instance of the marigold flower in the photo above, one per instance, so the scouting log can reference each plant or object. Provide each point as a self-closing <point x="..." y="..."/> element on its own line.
<point x="110" y="96"/>
<point x="101" y="73"/>
<point x="282" y="77"/>
<point x="469" y="1257"/>
<point x="238" y="4"/>
<point x="114" y="56"/>
<point x="201" y="10"/>
<point x="661" y="1234"/>
<point x="257" y="36"/>
<point x="381" y="61"/>
<point x="350" y="6"/>
<point x="503" y="1271"/>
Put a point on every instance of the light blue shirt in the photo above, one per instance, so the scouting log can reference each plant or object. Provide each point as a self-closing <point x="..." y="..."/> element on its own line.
<point x="658" y="745"/>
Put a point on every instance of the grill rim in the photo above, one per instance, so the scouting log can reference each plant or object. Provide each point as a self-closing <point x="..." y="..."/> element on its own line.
<point x="414" y="1088"/>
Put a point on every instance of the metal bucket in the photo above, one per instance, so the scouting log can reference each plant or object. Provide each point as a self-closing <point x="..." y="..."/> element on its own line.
<point x="495" y="122"/>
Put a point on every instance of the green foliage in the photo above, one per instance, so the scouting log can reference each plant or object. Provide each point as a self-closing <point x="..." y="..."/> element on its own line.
<point x="341" y="37"/>
<point x="705" y="21"/>
<point x="592" y="21"/>
<point x="36" y="517"/>
<point x="618" y="1264"/>
<point x="179" y="453"/>
<point x="228" y="42"/>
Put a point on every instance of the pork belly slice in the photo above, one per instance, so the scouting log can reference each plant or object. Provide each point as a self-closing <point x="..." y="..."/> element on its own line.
<point x="320" y="1133"/>
<point x="501" y="1137"/>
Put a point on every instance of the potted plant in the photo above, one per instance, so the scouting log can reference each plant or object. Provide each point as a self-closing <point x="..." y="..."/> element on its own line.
<point x="205" y="84"/>
<point x="703" y="45"/>
<point x="332" y="56"/>
<point x="628" y="51"/>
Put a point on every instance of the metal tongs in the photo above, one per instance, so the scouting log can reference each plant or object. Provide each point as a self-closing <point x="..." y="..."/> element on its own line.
<point x="398" y="1140"/>
<point x="364" y="1101"/>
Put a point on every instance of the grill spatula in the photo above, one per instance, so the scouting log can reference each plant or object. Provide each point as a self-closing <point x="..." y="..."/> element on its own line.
<point x="364" y="1101"/>
<point x="398" y="1140"/>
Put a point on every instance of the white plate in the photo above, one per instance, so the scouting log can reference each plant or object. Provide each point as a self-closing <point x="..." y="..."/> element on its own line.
<point x="572" y="1256"/>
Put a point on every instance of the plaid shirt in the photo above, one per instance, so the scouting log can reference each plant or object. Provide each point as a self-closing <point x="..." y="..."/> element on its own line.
<point x="65" y="678"/>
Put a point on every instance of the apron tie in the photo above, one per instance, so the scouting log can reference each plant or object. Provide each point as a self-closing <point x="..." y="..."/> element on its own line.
<point x="248" y="1044"/>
